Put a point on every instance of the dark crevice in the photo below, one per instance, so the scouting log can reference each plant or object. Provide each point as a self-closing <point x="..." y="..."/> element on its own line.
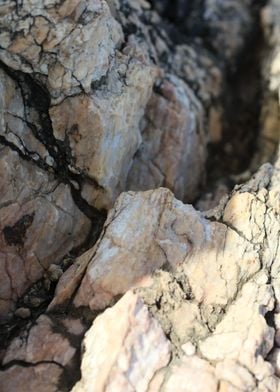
<point x="230" y="160"/>
<point x="37" y="99"/>
<point x="17" y="362"/>
<point x="242" y="103"/>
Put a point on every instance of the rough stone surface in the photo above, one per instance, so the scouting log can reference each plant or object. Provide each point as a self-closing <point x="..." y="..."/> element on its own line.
<point x="100" y="97"/>
<point x="39" y="224"/>
<point x="42" y="352"/>
<point x="54" y="41"/>
<point x="41" y="377"/>
<point x="137" y="346"/>
<point x="173" y="148"/>
<point x="143" y="232"/>
<point x="103" y="131"/>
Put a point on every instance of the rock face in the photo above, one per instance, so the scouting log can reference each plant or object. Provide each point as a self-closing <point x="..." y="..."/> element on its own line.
<point x="173" y="142"/>
<point x="106" y="121"/>
<point x="161" y="241"/>
<point x="54" y="41"/>
<point x="107" y="107"/>
<point x="39" y="224"/>
<point x="213" y="299"/>
<point x="137" y="345"/>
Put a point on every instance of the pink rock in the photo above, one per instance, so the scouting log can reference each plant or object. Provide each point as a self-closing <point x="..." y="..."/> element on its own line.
<point x="123" y="349"/>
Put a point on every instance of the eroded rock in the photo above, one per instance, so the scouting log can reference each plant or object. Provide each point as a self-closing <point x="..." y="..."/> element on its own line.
<point x="173" y="149"/>
<point x="39" y="224"/>
<point x="144" y="232"/>
<point x="137" y="346"/>
<point x="54" y="42"/>
<point x="99" y="97"/>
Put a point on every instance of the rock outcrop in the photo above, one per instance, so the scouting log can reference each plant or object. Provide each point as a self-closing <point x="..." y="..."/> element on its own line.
<point x="109" y="280"/>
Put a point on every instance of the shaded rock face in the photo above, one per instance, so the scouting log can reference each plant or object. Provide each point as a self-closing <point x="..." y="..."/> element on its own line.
<point x="107" y="107"/>
<point x="39" y="224"/>
<point x="173" y="147"/>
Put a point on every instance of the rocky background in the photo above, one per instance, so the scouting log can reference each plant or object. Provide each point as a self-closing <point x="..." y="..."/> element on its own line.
<point x="114" y="116"/>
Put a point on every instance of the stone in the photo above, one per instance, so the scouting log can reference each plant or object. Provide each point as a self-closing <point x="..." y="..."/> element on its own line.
<point x="269" y="134"/>
<point x="103" y="129"/>
<point x="40" y="377"/>
<point x="23" y="313"/>
<point x="274" y="359"/>
<point x="124" y="329"/>
<point x="39" y="224"/>
<point x="100" y="97"/>
<point x="190" y="374"/>
<point x="41" y="344"/>
<point x="54" y="41"/>
<point x="143" y="232"/>
<point x="173" y="149"/>
<point x="54" y="272"/>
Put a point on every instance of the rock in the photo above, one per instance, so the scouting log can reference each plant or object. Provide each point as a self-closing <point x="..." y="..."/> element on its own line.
<point x="269" y="134"/>
<point x="23" y="313"/>
<point x="243" y="334"/>
<point x="189" y="349"/>
<point x="42" y="355"/>
<point x="143" y="232"/>
<point x="124" y="329"/>
<point x="232" y="375"/>
<point x="274" y="359"/>
<point x="54" y="41"/>
<point x="39" y="224"/>
<point x="173" y="148"/>
<point x="103" y="130"/>
<point x="54" y="272"/>
<point x="188" y="375"/>
<point x="223" y="25"/>
<point x="100" y="97"/>
<point x="40" y="377"/>
<point x="41" y="344"/>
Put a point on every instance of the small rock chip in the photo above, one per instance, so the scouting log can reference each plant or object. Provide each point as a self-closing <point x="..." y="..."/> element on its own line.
<point x="54" y="272"/>
<point x="23" y="313"/>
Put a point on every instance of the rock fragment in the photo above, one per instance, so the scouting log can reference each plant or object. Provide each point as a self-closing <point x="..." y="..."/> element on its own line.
<point x="143" y="232"/>
<point x="137" y="346"/>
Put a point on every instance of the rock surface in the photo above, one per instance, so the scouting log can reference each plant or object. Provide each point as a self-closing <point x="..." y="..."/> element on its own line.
<point x="103" y="97"/>
<point x="54" y="41"/>
<point x="137" y="346"/>
<point x="39" y="224"/>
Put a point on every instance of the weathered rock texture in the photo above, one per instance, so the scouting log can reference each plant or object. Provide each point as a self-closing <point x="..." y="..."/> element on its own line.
<point x="214" y="293"/>
<point x="89" y="105"/>
<point x="100" y="97"/>
<point x="137" y="346"/>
